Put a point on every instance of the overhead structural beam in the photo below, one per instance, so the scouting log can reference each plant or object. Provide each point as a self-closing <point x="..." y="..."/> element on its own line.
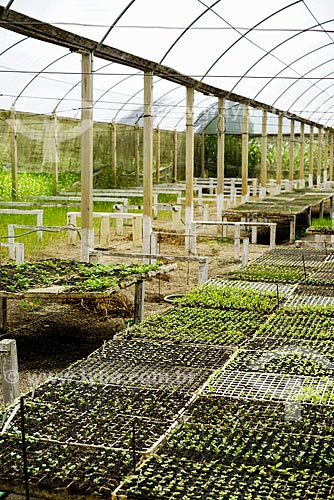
<point x="33" y="28"/>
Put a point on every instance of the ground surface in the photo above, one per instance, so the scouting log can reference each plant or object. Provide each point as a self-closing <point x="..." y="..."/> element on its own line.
<point x="51" y="335"/>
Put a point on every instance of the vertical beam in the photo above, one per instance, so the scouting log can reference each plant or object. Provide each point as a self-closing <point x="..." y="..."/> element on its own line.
<point x="189" y="166"/>
<point x="55" y="154"/>
<point x="326" y="154"/>
<point x="220" y="159"/>
<point x="279" y="153"/>
<point x="139" y="302"/>
<point x="244" y="160"/>
<point x="157" y="155"/>
<point x="331" y="156"/>
<point x="113" y="129"/>
<point x="137" y="153"/>
<point x="175" y="156"/>
<point x="301" y="158"/>
<point x="10" y="373"/>
<point x="319" y="158"/>
<point x="3" y="315"/>
<point x="292" y="154"/>
<point x="87" y="228"/>
<point x="13" y="152"/>
<point x="147" y="161"/>
<point x="203" y="154"/>
<point x="264" y="146"/>
<point x="311" y="159"/>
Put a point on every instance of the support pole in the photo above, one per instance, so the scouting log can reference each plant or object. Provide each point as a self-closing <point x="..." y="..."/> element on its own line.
<point x="139" y="302"/>
<point x="311" y="160"/>
<point x="279" y="153"/>
<point x="220" y="160"/>
<point x="13" y="151"/>
<point x="157" y="155"/>
<point x="244" y="161"/>
<point x="113" y="130"/>
<point x="55" y="154"/>
<point x="237" y="242"/>
<point x="189" y="166"/>
<point x="203" y="270"/>
<point x="87" y="228"/>
<point x="203" y="154"/>
<point x="302" y="154"/>
<point x="331" y="157"/>
<point x="264" y="146"/>
<point x="175" y="156"/>
<point x="137" y="153"/>
<point x="10" y="371"/>
<point x="3" y="317"/>
<point x="147" y="160"/>
<point x="292" y="154"/>
<point x="245" y="249"/>
<point x="326" y="155"/>
<point x="272" y="241"/>
<point x="319" y="158"/>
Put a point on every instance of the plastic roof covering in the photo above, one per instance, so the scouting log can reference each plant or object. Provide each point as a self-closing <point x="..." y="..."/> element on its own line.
<point x="278" y="52"/>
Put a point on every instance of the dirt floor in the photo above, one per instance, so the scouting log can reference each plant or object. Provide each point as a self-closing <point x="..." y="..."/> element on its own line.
<point x="50" y="335"/>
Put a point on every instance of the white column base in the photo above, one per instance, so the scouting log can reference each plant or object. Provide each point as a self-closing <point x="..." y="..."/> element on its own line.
<point x="310" y="181"/>
<point x="87" y="243"/>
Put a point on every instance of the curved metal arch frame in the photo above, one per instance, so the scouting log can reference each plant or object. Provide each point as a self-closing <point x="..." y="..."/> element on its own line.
<point x="243" y="36"/>
<point x="331" y="107"/>
<point x="39" y="74"/>
<point x="288" y="66"/>
<point x="276" y="47"/>
<point x="315" y="97"/>
<point x="314" y="84"/>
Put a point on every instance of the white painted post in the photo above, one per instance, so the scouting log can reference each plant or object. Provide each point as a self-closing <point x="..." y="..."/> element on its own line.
<point x="319" y="157"/>
<point x="19" y="253"/>
<point x="224" y="228"/>
<point x="254" y="235"/>
<point x="72" y="235"/>
<point x="203" y="270"/>
<point x="191" y="236"/>
<point x="321" y="209"/>
<point x="155" y="203"/>
<point x="311" y="157"/>
<point x="40" y="223"/>
<point x="10" y="372"/>
<point x="200" y="200"/>
<point x="154" y="246"/>
<point x="292" y="229"/>
<point x="245" y="248"/>
<point x="11" y="242"/>
<point x="279" y="153"/>
<point x="176" y="218"/>
<point x="137" y="231"/>
<point x="104" y="232"/>
<point x="272" y="243"/>
<point x="206" y="212"/>
<point x="237" y="242"/>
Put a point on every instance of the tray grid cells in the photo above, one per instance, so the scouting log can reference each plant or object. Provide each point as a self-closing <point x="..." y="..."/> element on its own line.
<point x="261" y="287"/>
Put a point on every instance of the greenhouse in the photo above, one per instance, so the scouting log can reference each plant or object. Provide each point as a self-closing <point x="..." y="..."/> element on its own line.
<point x="166" y="250"/>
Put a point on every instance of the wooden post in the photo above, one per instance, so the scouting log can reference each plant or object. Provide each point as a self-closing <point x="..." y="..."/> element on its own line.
<point x="203" y="271"/>
<point x="104" y="232"/>
<point x="279" y="153"/>
<point x="220" y="160"/>
<point x="331" y="156"/>
<point x="10" y="372"/>
<point x="272" y="242"/>
<point x="264" y="146"/>
<point x="175" y="156"/>
<point x="55" y="154"/>
<point x="244" y="161"/>
<point x="292" y="228"/>
<point x="3" y="316"/>
<point x="292" y="154"/>
<point x="137" y="153"/>
<point x="311" y="159"/>
<point x="147" y="160"/>
<point x="254" y="235"/>
<point x="139" y="302"/>
<point x="321" y="209"/>
<point x="326" y="155"/>
<point x="137" y="231"/>
<point x="87" y="227"/>
<point x="157" y="156"/>
<point x="203" y="154"/>
<point x="302" y="159"/>
<point x="245" y="248"/>
<point x="113" y="129"/>
<point x="319" y="157"/>
<point x="176" y="218"/>
<point x="237" y="242"/>
<point x="189" y="166"/>
<point x="13" y="151"/>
